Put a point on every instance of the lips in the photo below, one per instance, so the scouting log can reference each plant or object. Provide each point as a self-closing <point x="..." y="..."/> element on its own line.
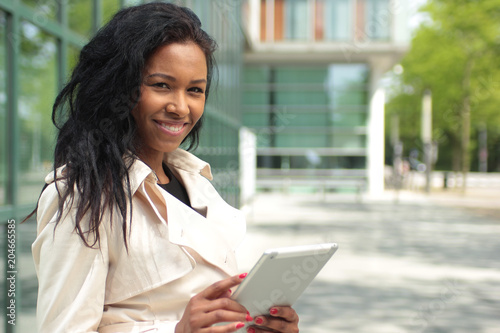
<point x="175" y="128"/>
<point x="171" y="126"/>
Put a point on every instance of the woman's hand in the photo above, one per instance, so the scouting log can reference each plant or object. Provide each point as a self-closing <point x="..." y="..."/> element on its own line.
<point x="211" y="306"/>
<point x="282" y="319"/>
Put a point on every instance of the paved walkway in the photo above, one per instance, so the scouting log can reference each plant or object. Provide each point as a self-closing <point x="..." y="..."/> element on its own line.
<point x="419" y="264"/>
<point x="406" y="263"/>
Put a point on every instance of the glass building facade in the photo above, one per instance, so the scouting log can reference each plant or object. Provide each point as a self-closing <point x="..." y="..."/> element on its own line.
<point x="324" y="20"/>
<point x="308" y="116"/>
<point x="39" y="44"/>
<point x="311" y="88"/>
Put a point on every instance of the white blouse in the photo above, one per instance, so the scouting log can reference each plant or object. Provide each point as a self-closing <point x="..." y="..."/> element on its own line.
<point x="174" y="252"/>
<point x="163" y="307"/>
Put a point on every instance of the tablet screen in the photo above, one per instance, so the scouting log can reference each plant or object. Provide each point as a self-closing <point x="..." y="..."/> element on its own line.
<point x="280" y="276"/>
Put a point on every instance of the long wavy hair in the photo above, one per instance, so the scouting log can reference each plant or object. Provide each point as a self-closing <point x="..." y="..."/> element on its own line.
<point x="96" y="138"/>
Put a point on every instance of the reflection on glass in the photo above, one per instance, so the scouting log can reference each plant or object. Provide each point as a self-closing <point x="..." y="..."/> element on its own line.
<point x="37" y="90"/>
<point x="109" y="8"/>
<point x="344" y="76"/>
<point x="256" y="75"/>
<point x="218" y="139"/>
<point x="298" y="75"/>
<point x="79" y="14"/>
<point x="73" y="54"/>
<point x="309" y="106"/>
<point x="338" y="19"/>
<point x="297" y="19"/>
<point x="44" y="10"/>
<point x="378" y="19"/>
<point x="132" y="2"/>
<point x="347" y="86"/>
<point x="3" y="113"/>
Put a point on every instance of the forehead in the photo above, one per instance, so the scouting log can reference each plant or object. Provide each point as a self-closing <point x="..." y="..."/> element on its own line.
<point x="185" y="56"/>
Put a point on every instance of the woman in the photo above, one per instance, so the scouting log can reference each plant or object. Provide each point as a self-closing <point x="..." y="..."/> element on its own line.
<point x="132" y="237"/>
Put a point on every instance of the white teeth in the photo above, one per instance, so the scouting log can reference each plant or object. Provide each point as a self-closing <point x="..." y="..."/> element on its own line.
<point x="172" y="128"/>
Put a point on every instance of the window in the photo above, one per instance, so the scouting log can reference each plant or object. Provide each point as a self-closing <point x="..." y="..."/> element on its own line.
<point x="80" y="16"/>
<point x="300" y="108"/>
<point x="337" y="19"/>
<point x="347" y="84"/>
<point x="44" y="10"/>
<point x="297" y="19"/>
<point x="110" y="7"/>
<point x="72" y="60"/>
<point x="39" y="70"/>
<point x="36" y="96"/>
<point x="129" y="3"/>
<point x="378" y="19"/>
<point x="348" y="95"/>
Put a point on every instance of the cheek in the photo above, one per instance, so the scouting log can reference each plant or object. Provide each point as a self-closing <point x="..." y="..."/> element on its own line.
<point x="199" y="110"/>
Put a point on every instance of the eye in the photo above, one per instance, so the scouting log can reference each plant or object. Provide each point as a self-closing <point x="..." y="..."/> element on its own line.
<point x="197" y="90"/>
<point x="161" y="85"/>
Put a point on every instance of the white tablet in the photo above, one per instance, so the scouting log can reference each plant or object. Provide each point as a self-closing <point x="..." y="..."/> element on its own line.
<point x="280" y="276"/>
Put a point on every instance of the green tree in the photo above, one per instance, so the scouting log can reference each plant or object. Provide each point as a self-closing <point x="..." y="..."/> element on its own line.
<point x="453" y="54"/>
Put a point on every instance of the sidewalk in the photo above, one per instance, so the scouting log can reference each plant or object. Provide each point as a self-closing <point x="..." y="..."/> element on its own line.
<point x="422" y="263"/>
<point x="476" y="198"/>
<point x="406" y="263"/>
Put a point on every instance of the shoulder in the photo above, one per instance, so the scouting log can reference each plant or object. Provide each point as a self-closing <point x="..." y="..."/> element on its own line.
<point x="55" y="186"/>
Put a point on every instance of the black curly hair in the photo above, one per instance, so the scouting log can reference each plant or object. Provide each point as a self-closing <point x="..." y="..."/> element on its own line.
<point x="93" y="111"/>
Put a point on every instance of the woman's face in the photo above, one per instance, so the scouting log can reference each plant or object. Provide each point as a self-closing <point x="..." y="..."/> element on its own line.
<point x="172" y="97"/>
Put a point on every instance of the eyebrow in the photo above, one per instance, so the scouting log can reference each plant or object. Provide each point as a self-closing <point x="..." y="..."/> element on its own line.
<point x="173" y="79"/>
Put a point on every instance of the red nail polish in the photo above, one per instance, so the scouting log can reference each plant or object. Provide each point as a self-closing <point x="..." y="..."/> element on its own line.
<point x="240" y="325"/>
<point x="251" y="330"/>
<point x="273" y="311"/>
<point x="259" y="321"/>
<point x="248" y="318"/>
<point x="242" y="276"/>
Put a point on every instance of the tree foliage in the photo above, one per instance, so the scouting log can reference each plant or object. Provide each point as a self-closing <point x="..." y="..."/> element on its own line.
<point x="454" y="54"/>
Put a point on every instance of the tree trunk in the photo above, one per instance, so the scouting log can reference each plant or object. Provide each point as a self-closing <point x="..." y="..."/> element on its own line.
<point x="456" y="154"/>
<point x="465" y="117"/>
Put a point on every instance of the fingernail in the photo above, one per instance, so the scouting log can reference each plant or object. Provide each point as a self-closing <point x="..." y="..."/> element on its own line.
<point x="242" y="276"/>
<point x="273" y="311"/>
<point x="251" y="330"/>
<point x="240" y="325"/>
<point x="259" y="321"/>
<point x="248" y="318"/>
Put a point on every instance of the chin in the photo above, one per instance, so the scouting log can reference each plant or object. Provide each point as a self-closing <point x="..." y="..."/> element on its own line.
<point x="169" y="148"/>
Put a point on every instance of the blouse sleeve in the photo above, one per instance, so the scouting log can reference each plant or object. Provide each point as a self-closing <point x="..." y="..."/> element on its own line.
<point x="71" y="276"/>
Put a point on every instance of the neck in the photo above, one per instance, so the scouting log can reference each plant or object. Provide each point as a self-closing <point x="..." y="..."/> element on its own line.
<point x="155" y="161"/>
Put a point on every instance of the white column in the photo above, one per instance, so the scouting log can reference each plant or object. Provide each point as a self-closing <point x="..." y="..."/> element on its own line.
<point x="254" y="20"/>
<point x="248" y="166"/>
<point x="376" y="151"/>
<point x="399" y="13"/>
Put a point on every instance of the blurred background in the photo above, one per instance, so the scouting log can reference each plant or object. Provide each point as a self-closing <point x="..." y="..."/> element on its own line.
<point x="372" y="123"/>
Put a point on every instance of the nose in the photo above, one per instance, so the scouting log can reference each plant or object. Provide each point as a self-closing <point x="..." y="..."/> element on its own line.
<point x="178" y="105"/>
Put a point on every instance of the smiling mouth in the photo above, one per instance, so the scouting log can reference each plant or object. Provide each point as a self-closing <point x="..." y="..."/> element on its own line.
<point x="170" y="127"/>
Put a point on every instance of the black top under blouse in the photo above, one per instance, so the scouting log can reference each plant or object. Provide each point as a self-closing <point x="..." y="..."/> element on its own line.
<point x="175" y="187"/>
